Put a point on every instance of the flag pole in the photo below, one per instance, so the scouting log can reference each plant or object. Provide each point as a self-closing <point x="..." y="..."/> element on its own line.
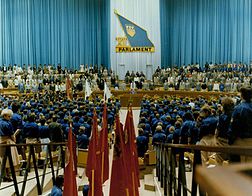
<point x="102" y="169"/>
<point x="92" y="182"/>
<point x="127" y="191"/>
<point x="133" y="181"/>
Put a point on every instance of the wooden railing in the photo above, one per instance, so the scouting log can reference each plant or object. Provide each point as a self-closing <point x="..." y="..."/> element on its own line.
<point x="31" y="155"/>
<point x="170" y="156"/>
<point x="228" y="180"/>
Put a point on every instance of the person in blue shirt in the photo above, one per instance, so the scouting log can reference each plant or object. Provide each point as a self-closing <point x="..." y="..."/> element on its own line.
<point x="85" y="190"/>
<point x="207" y="126"/>
<point x="87" y="124"/>
<point x="83" y="140"/>
<point x="208" y="123"/>
<point x="142" y="143"/>
<point x="6" y="128"/>
<point x="31" y="129"/>
<point x="21" y="87"/>
<point x="65" y="126"/>
<point x="55" y="130"/>
<point x="155" y="121"/>
<point x="43" y="128"/>
<point x="31" y="132"/>
<point x="76" y="124"/>
<point x="17" y="124"/>
<point x="176" y="134"/>
<point x="7" y="137"/>
<point x="57" y="188"/>
<point x="170" y="135"/>
<point x="222" y="87"/>
<point x="159" y="135"/>
<point x="241" y="123"/>
<point x="16" y="119"/>
<point x="224" y="126"/>
<point x="188" y="131"/>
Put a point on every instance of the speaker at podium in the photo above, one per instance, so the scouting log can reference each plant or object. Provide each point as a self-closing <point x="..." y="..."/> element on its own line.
<point x="149" y="72"/>
<point x="121" y="72"/>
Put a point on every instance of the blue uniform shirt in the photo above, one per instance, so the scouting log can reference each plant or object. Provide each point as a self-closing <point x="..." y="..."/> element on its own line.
<point x="158" y="137"/>
<point x="44" y="131"/>
<point x="224" y="126"/>
<point x="169" y="138"/>
<point x="31" y="130"/>
<point x="222" y="87"/>
<point x="241" y="126"/>
<point x="16" y="121"/>
<point x="56" y="191"/>
<point x="6" y="128"/>
<point x="208" y="126"/>
<point x="83" y="141"/>
<point x="142" y="145"/>
<point x="186" y="131"/>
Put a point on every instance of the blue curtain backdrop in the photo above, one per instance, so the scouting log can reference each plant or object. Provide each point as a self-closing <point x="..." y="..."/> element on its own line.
<point x="70" y="32"/>
<point x="205" y="31"/>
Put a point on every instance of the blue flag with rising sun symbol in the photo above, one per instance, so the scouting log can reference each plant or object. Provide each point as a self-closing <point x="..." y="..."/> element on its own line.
<point x="137" y="36"/>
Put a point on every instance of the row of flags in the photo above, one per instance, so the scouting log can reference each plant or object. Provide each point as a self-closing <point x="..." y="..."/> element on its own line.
<point x="87" y="91"/>
<point x="125" y="172"/>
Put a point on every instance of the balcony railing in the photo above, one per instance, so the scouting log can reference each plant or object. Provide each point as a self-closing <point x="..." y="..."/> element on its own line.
<point x="32" y="163"/>
<point x="171" y="156"/>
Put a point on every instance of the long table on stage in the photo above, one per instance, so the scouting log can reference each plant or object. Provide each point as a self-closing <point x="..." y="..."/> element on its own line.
<point x="135" y="99"/>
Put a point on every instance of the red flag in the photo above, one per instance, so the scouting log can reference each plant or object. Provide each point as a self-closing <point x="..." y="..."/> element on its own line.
<point x="93" y="170"/>
<point x="131" y="153"/>
<point x="119" y="184"/>
<point x="134" y="147"/>
<point x="70" y="187"/>
<point x="69" y="88"/>
<point x="104" y="147"/>
<point x="74" y="153"/>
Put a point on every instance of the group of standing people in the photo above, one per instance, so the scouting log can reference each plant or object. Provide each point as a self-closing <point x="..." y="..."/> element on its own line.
<point x="211" y="122"/>
<point x="47" y="117"/>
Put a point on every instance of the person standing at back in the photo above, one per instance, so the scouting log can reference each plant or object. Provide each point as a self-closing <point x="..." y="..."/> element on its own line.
<point x="31" y="129"/>
<point x="17" y="124"/>
<point x="207" y="124"/>
<point x="159" y="135"/>
<point x="82" y="138"/>
<point x="224" y="126"/>
<point x="142" y="143"/>
<point x="7" y="137"/>
<point x="55" y="130"/>
<point x="241" y="123"/>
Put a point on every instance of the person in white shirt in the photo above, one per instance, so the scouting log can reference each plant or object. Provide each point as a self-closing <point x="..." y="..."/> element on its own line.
<point x="82" y="69"/>
<point x="62" y="87"/>
<point x="57" y="87"/>
<point x="29" y="76"/>
<point x="28" y="87"/>
<point x="16" y="81"/>
<point x="19" y="69"/>
<point x="216" y="86"/>
<point x="30" y="70"/>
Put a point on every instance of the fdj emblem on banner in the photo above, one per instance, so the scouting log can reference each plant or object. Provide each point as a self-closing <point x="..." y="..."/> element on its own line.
<point x="136" y="39"/>
<point x="130" y="30"/>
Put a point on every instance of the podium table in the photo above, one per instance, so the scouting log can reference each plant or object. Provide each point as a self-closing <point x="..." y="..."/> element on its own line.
<point x="134" y="99"/>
